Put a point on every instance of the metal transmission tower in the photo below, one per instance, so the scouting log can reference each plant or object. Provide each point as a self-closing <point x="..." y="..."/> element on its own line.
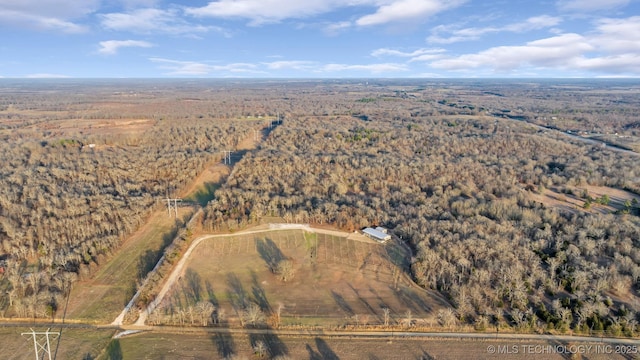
<point x="256" y="134"/>
<point x="42" y="342"/>
<point x="174" y="206"/>
<point x="227" y="157"/>
<point x="276" y="121"/>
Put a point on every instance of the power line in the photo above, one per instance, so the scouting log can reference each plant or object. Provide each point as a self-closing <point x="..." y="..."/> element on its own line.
<point x="174" y="206"/>
<point x="227" y="157"/>
<point x="41" y="342"/>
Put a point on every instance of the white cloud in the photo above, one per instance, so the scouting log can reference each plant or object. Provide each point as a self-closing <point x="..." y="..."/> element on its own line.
<point x="582" y="6"/>
<point x="53" y="15"/>
<point x="199" y="68"/>
<point x="403" y="10"/>
<point x="427" y="57"/>
<point x="132" y="4"/>
<point x="466" y="34"/>
<point x="392" y="52"/>
<point x="549" y="52"/>
<point x="18" y="19"/>
<point x="335" y="28"/>
<point x="290" y="64"/>
<point x="111" y="47"/>
<point x="420" y="55"/>
<point x="153" y="21"/>
<point x="372" y="68"/>
<point x="615" y="64"/>
<point x="618" y="35"/>
<point x="263" y="11"/>
<point x="428" y="75"/>
<point x="271" y="11"/>
<point x="46" y="76"/>
<point x="194" y="68"/>
<point x="612" y="47"/>
<point x="64" y="9"/>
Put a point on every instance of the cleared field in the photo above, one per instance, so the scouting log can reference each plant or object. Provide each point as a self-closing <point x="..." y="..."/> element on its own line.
<point x="72" y="344"/>
<point x="102" y="297"/>
<point x="203" y="187"/>
<point x="221" y="346"/>
<point x="201" y="191"/>
<point x="574" y="201"/>
<point x="336" y="281"/>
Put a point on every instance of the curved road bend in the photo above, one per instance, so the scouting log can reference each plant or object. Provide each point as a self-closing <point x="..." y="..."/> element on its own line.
<point x="120" y="318"/>
<point x="175" y="274"/>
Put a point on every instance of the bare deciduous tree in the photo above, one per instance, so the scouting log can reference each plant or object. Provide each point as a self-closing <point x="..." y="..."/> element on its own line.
<point x="286" y="270"/>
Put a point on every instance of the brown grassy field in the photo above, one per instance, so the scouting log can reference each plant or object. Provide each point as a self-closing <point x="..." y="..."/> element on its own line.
<point x="554" y="197"/>
<point x="103" y="296"/>
<point x="89" y="127"/>
<point x="221" y="346"/>
<point x="73" y="343"/>
<point x="345" y="282"/>
<point x="202" y="188"/>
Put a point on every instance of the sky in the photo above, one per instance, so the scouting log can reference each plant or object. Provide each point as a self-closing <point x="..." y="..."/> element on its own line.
<point x="319" y="39"/>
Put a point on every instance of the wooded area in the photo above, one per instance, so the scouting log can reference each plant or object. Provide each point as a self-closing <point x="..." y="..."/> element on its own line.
<point x="65" y="205"/>
<point x="456" y="187"/>
<point x="448" y="166"/>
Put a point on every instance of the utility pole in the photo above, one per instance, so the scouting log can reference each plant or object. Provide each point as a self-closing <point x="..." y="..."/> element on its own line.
<point x="41" y="342"/>
<point x="227" y="157"/>
<point x="174" y="205"/>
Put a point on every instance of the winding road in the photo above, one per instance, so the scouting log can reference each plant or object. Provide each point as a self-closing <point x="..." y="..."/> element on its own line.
<point x="177" y="271"/>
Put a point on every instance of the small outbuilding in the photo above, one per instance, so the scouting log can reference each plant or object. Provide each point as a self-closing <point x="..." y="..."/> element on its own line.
<point x="377" y="234"/>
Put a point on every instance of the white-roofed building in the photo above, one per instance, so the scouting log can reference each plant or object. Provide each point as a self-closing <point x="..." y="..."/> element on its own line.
<point x="376" y="234"/>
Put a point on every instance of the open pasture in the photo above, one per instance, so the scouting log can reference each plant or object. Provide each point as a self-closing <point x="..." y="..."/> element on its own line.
<point x="73" y="343"/>
<point x="335" y="282"/>
<point x="242" y="346"/>
<point x="101" y="297"/>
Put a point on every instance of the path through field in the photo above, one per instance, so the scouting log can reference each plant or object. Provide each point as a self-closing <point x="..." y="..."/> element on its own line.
<point x="180" y="267"/>
<point x="200" y="191"/>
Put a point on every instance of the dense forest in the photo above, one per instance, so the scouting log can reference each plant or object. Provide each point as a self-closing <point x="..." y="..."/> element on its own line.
<point x="68" y="199"/>
<point x="452" y="168"/>
<point x="457" y="188"/>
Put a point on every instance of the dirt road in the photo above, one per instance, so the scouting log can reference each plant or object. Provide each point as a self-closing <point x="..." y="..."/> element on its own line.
<point x="177" y="271"/>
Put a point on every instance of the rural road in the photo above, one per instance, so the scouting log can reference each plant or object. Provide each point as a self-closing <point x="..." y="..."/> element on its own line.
<point x="579" y="138"/>
<point x="172" y="278"/>
<point x="120" y="318"/>
<point x="389" y="334"/>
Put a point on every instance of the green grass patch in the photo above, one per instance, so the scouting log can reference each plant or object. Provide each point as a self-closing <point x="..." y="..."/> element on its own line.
<point x="204" y="194"/>
<point x="103" y="297"/>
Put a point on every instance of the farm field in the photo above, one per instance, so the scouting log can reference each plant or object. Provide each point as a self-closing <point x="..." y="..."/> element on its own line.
<point x="221" y="346"/>
<point x="102" y="297"/>
<point x="80" y="343"/>
<point x="574" y="200"/>
<point x="336" y="281"/>
<point x="503" y="224"/>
